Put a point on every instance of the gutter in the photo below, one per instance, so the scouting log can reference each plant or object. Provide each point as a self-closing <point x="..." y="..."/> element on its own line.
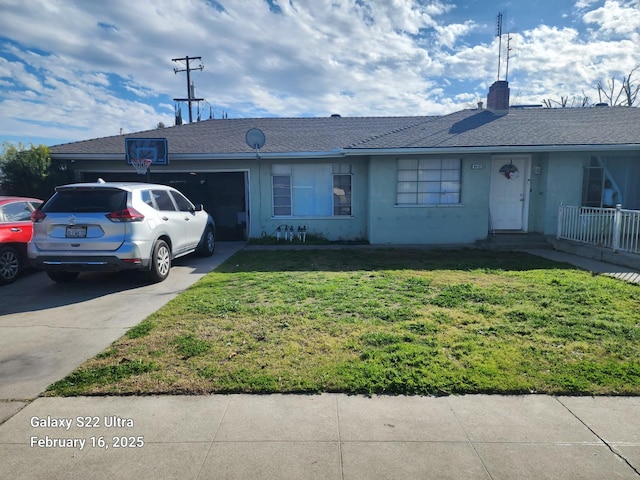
<point x="336" y="153"/>
<point x="492" y="149"/>
<point x="351" y="152"/>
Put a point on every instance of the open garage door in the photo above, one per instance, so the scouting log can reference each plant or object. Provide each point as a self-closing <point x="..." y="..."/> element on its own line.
<point x="223" y="194"/>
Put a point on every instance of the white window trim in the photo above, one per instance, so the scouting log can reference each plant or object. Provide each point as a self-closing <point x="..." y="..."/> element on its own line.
<point x="417" y="193"/>
<point x="333" y="202"/>
<point x="282" y="167"/>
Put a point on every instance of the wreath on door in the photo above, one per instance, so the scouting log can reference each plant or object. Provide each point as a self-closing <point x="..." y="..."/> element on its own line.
<point x="510" y="171"/>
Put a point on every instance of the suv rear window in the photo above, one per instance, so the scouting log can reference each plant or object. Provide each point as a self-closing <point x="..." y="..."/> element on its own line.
<point x="78" y="201"/>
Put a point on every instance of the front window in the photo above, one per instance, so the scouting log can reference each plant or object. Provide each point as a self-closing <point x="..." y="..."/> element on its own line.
<point x="429" y="181"/>
<point x="342" y="189"/>
<point x="612" y="180"/>
<point x="281" y="189"/>
<point x="314" y="190"/>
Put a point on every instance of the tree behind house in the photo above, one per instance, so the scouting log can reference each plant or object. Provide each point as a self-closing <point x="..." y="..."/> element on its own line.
<point x="624" y="95"/>
<point x="30" y="172"/>
<point x="612" y="92"/>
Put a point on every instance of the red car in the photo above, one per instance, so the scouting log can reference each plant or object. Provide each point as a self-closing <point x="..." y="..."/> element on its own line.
<point x="15" y="232"/>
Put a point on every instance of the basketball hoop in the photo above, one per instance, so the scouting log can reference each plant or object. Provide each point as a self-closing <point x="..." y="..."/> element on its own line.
<point x="141" y="165"/>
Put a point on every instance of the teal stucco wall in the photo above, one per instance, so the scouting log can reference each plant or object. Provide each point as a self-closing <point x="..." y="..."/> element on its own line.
<point x="563" y="184"/>
<point x="264" y="223"/>
<point x="444" y="224"/>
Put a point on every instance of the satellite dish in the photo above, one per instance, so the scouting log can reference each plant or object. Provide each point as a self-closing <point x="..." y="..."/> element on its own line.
<point x="255" y="138"/>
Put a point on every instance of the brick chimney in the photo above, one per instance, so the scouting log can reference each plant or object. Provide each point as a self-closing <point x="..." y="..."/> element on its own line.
<point x="498" y="98"/>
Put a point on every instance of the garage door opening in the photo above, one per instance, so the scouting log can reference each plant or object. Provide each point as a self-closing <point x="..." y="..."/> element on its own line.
<point x="223" y="195"/>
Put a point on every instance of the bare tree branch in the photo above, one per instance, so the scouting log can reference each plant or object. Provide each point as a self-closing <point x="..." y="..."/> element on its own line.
<point x="609" y="92"/>
<point x="625" y="96"/>
<point x="630" y="91"/>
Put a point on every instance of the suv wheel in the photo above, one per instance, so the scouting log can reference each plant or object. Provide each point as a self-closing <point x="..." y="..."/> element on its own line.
<point x="63" y="277"/>
<point x="160" y="262"/>
<point x="10" y="265"/>
<point x="207" y="244"/>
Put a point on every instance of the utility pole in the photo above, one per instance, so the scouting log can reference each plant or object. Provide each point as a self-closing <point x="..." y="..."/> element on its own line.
<point x="190" y="88"/>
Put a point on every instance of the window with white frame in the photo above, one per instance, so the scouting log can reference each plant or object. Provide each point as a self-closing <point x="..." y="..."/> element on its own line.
<point x="429" y="181"/>
<point x="281" y="190"/>
<point x="342" y="189"/>
<point x="316" y="190"/>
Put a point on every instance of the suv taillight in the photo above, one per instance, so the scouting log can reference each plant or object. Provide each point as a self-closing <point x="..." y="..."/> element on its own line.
<point x="37" y="216"/>
<point x="126" y="215"/>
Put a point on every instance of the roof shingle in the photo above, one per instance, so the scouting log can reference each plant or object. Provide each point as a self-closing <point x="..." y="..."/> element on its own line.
<point x="468" y="128"/>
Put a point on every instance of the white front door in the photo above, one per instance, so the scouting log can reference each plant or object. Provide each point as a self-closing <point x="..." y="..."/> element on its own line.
<point x="509" y="197"/>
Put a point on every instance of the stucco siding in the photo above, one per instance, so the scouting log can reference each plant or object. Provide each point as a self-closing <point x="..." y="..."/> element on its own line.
<point x="462" y="223"/>
<point x="563" y="185"/>
<point x="538" y="193"/>
<point x="333" y="228"/>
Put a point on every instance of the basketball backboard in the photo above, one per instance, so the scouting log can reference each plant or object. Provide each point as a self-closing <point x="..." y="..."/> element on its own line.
<point x="154" y="149"/>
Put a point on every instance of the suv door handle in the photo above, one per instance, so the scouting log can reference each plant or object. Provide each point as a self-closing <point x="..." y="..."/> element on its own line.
<point x="16" y="230"/>
<point x="165" y="218"/>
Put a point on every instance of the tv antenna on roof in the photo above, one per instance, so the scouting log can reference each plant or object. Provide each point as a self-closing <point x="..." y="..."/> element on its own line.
<point x="499" y="35"/>
<point x="506" y="76"/>
<point x="255" y="139"/>
<point x="508" y="53"/>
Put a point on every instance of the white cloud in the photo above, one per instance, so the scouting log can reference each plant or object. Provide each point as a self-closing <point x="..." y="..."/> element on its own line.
<point x="448" y="35"/>
<point x="616" y="17"/>
<point x="97" y="67"/>
<point x="586" y="3"/>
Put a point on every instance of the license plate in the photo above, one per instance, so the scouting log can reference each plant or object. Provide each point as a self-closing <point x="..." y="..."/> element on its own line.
<point x="76" y="232"/>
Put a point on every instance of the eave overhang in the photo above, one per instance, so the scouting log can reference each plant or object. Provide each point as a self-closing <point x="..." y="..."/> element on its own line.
<point x="353" y="152"/>
<point x="504" y="149"/>
<point x="337" y="153"/>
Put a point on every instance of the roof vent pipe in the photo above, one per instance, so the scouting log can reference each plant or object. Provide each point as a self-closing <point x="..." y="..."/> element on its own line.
<point x="480" y="105"/>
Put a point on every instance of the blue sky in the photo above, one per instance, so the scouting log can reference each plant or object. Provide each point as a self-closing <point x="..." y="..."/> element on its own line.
<point x="78" y="69"/>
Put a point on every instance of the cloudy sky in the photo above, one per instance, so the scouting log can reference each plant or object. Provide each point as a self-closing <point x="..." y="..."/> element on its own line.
<point x="78" y="69"/>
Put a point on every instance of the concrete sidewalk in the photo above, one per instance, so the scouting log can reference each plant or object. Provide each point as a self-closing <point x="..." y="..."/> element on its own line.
<point x="596" y="266"/>
<point x="327" y="436"/>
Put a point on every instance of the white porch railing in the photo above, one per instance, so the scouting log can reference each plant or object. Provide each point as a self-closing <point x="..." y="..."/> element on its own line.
<point x="612" y="228"/>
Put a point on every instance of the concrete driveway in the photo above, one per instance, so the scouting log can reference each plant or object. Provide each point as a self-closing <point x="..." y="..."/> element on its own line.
<point x="48" y="329"/>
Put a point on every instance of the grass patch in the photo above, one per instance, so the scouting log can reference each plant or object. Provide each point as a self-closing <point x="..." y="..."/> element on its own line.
<point x="190" y="346"/>
<point x="142" y="329"/>
<point x="102" y="376"/>
<point x="397" y="321"/>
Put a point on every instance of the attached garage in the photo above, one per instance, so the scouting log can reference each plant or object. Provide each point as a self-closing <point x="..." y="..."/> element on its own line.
<point x="223" y="194"/>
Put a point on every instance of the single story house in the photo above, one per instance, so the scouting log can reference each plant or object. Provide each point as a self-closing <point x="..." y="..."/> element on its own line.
<point x="450" y="179"/>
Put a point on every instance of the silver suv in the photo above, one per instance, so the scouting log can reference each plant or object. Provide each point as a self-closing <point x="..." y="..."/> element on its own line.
<point x="117" y="226"/>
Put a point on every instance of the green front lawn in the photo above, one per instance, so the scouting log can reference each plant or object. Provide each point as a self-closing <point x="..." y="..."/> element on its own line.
<point x="370" y="320"/>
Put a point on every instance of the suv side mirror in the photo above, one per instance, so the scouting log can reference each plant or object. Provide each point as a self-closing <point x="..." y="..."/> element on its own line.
<point x="198" y="207"/>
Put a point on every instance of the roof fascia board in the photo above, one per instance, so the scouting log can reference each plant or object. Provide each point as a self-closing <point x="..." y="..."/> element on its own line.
<point x="494" y="149"/>
<point x="87" y="156"/>
<point x="251" y="156"/>
<point x="350" y="152"/>
<point x="205" y="156"/>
